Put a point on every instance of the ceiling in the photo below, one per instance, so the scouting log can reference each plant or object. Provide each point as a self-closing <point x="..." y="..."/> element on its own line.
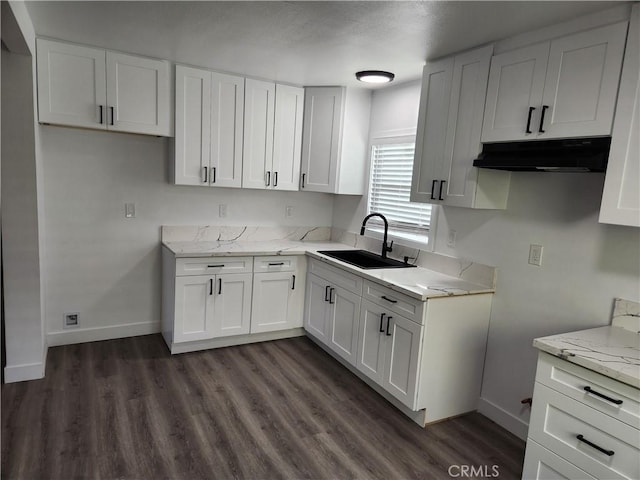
<point x="299" y="42"/>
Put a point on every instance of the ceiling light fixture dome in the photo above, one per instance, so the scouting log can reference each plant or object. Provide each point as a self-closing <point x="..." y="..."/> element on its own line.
<point x="375" y="76"/>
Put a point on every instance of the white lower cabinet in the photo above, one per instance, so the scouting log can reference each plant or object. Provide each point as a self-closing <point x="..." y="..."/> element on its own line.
<point x="542" y="464"/>
<point x="408" y="348"/>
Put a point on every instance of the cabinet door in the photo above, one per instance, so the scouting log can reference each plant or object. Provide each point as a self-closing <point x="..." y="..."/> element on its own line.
<point x="371" y="341"/>
<point x="194" y="308"/>
<point x="138" y="94"/>
<point x="227" y="117"/>
<point x="344" y="317"/>
<point x="432" y="129"/>
<point x="402" y="352"/>
<point x="287" y="137"/>
<point x="542" y="464"/>
<point x="582" y="83"/>
<point x="466" y="109"/>
<point x="232" y="314"/>
<point x="621" y="195"/>
<point x="71" y="85"/>
<point x="258" y="134"/>
<point x="273" y="302"/>
<point x="316" y="306"/>
<point x="516" y="83"/>
<point x="323" y="113"/>
<point x="193" y="117"/>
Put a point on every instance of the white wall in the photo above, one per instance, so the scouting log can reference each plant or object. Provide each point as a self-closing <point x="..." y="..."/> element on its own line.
<point x="585" y="264"/>
<point x="107" y="267"/>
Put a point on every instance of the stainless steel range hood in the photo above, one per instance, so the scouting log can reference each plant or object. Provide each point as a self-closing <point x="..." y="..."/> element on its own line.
<point x="567" y="155"/>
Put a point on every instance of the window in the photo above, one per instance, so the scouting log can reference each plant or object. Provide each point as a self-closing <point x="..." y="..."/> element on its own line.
<point x="390" y="188"/>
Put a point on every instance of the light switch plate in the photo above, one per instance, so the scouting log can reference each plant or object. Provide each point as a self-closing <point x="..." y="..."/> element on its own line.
<point x="130" y="210"/>
<point x="222" y="210"/>
<point x="535" y="255"/>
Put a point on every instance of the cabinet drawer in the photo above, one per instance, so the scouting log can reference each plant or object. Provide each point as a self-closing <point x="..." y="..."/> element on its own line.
<point x="622" y="401"/>
<point x="541" y="464"/>
<point x="274" y="263"/>
<point x="557" y="422"/>
<point x="408" y="307"/>
<point x="336" y="276"/>
<point x="213" y="265"/>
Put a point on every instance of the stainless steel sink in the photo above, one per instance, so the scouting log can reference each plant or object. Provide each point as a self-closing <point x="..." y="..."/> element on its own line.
<point x="364" y="259"/>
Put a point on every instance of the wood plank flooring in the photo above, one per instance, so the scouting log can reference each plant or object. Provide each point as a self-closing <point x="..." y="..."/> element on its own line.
<point x="127" y="409"/>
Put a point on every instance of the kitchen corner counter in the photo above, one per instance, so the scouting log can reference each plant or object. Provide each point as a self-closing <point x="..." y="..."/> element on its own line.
<point x="611" y="351"/>
<point x="417" y="282"/>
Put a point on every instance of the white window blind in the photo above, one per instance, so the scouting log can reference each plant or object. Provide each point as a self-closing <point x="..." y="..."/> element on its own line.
<point x="390" y="187"/>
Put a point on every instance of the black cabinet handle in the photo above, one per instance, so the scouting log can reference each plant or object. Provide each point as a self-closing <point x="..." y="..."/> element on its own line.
<point x="381" y="321"/>
<point x="581" y="438"/>
<point x="219" y="286"/>
<point x="101" y="114"/>
<point x="388" y="324"/>
<point x="268" y="178"/>
<point x="274" y="264"/>
<point x="275" y="179"/>
<point x="303" y="177"/>
<point x="211" y="286"/>
<point x="293" y="282"/>
<point x="433" y="189"/>
<point x="326" y="293"/>
<point x="216" y="266"/>
<point x="601" y="395"/>
<point x="205" y="175"/>
<point x="331" y="296"/>
<point x="531" y="109"/>
<point x="389" y="299"/>
<point x="213" y="174"/>
<point x="544" y="109"/>
<point x="112" y="115"/>
<point x="442" y="182"/>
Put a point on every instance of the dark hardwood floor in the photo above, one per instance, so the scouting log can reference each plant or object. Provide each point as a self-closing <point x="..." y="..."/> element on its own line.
<point x="126" y="409"/>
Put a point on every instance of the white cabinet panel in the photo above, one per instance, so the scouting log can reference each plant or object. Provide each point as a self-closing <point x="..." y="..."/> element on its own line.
<point x="343" y="315"/>
<point x="138" y="94"/>
<point x="71" y="85"/>
<point x="371" y="341"/>
<point x="621" y="195"/>
<point x="541" y="464"/>
<point x="287" y="137"/>
<point x="232" y="304"/>
<point x="194" y="308"/>
<point x="273" y="304"/>
<point x="258" y="134"/>
<point x="404" y="339"/>
<point x="315" y="318"/>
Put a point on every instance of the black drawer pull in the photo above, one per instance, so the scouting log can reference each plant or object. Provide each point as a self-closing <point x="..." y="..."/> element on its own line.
<point x="381" y="321"/>
<point x="331" y="296"/>
<point x="213" y="175"/>
<point x="211" y="286"/>
<point x="275" y="264"/>
<point x="544" y="109"/>
<point x="112" y="116"/>
<point x="205" y="175"/>
<point x="216" y="266"/>
<point x="275" y="179"/>
<point x="433" y="189"/>
<point x="326" y="293"/>
<point x="101" y="114"/>
<point x="531" y="109"/>
<point x="609" y="453"/>
<point x="219" y="286"/>
<point x="389" y="299"/>
<point x="293" y="282"/>
<point x="388" y="325"/>
<point x="598" y="394"/>
<point x="303" y="178"/>
<point x="442" y="182"/>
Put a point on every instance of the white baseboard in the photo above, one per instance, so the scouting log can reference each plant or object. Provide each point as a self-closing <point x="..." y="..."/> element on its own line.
<point x="84" y="335"/>
<point x="21" y="373"/>
<point x="503" y="418"/>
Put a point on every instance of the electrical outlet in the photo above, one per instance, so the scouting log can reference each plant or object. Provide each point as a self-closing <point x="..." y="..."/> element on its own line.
<point x="451" y="238"/>
<point x="71" y="320"/>
<point x="130" y="210"/>
<point x="535" y="255"/>
<point x="288" y="211"/>
<point x="222" y="210"/>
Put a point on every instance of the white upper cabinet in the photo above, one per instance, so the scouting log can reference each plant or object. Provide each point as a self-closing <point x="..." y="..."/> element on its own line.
<point x="563" y="88"/>
<point x="93" y="88"/>
<point x="335" y="140"/>
<point x="209" y="122"/>
<point x="272" y="135"/>
<point x="621" y="195"/>
<point x="448" y="137"/>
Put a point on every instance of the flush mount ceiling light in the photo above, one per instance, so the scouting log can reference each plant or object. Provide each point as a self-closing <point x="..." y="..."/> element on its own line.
<point x="374" y="76"/>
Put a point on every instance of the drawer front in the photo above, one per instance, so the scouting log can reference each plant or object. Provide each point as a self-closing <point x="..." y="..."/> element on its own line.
<point x="408" y="307"/>
<point x="558" y="422"/>
<point x="606" y="395"/>
<point x="541" y="464"/>
<point x="213" y="265"/>
<point x="336" y="276"/>
<point x="274" y="263"/>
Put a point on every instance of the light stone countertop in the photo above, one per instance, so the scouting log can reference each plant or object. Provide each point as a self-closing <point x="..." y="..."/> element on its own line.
<point x="417" y="282"/>
<point x="612" y="351"/>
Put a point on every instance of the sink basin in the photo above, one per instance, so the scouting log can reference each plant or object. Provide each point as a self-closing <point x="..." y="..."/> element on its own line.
<point x="364" y="259"/>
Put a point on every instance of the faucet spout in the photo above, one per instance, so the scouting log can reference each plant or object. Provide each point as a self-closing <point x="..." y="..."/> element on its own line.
<point x="385" y="248"/>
